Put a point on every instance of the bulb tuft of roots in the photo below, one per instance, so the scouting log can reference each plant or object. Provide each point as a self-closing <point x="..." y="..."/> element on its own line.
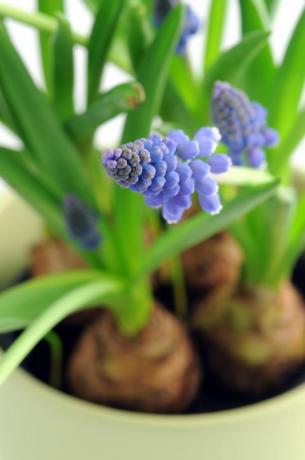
<point x="155" y="371"/>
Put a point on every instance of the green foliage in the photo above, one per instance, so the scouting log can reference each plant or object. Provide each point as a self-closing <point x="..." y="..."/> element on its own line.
<point x="63" y="71"/>
<point x="215" y="29"/>
<point x="121" y="99"/>
<point x="289" y="82"/>
<point x="202" y="226"/>
<point x="50" y="8"/>
<point x="48" y="147"/>
<point x="59" y="156"/>
<point x="104" y="28"/>
<point x="254" y="17"/>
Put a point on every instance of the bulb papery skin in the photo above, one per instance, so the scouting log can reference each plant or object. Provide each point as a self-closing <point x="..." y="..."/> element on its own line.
<point x="243" y="125"/>
<point x="168" y="171"/>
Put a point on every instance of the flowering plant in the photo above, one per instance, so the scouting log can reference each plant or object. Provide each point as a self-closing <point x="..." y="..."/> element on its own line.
<point x="61" y="173"/>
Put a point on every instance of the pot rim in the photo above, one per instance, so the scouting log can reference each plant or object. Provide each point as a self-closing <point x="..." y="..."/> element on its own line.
<point x="272" y="405"/>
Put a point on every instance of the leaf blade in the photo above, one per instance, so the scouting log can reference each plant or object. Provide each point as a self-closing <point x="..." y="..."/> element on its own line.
<point x="104" y="28"/>
<point x="63" y="70"/>
<point x="201" y="227"/>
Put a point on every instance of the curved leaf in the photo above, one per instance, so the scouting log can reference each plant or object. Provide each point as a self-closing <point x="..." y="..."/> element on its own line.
<point x="23" y="303"/>
<point x="254" y="17"/>
<point x="75" y="299"/>
<point x="289" y="82"/>
<point x="202" y="226"/>
<point x="104" y="28"/>
<point x="122" y="98"/>
<point x="217" y="16"/>
<point x="49" y="148"/>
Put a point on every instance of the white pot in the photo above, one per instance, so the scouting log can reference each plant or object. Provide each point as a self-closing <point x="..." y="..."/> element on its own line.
<point x="39" y="423"/>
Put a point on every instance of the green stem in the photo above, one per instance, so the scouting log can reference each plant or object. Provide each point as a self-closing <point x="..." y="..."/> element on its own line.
<point x="45" y="23"/>
<point x="78" y="298"/>
<point x="56" y="355"/>
<point x="40" y="21"/>
<point x="178" y="281"/>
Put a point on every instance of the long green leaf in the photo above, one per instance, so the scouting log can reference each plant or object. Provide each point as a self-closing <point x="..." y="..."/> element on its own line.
<point x="32" y="187"/>
<point x="83" y="296"/>
<point x="202" y="226"/>
<point x="152" y="74"/>
<point x="50" y="8"/>
<point x="63" y="71"/>
<point x="217" y="16"/>
<point x="138" y="30"/>
<point x="271" y="6"/>
<point x="104" y="28"/>
<point x="289" y="82"/>
<point x="50" y="149"/>
<point x="279" y="159"/>
<point x="22" y="304"/>
<point x="122" y="98"/>
<point x="254" y="16"/>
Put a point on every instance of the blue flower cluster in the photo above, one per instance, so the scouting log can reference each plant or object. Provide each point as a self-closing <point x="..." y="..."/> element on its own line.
<point x="191" y="25"/>
<point x="167" y="171"/>
<point x="81" y="223"/>
<point x="242" y="124"/>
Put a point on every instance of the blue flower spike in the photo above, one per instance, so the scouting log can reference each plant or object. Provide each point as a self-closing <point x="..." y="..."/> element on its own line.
<point x="243" y="125"/>
<point x="81" y="223"/>
<point x="168" y="171"/>
<point x="191" y="26"/>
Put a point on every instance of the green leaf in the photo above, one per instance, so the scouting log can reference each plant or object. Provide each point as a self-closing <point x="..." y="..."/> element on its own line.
<point x="243" y="176"/>
<point x="174" y="110"/>
<point x="296" y="239"/>
<point x="289" y="82"/>
<point x="215" y="30"/>
<point x="63" y="71"/>
<point x="22" y="304"/>
<point x="49" y="148"/>
<point x="93" y="5"/>
<point x="138" y="30"/>
<point x="50" y="8"/>
<point x="89" y="294"/>
<point x="254" y="16"/>
<point x="103" y="31"/>
<point x="201" y="227"/>
<point x="271" y="6"/>
<point x="152" y="74"/>
<point x="32" y="187"/>
<point x="122" y="98"/>
<point x="231" y="66"/>
<point x="278" y="159"/>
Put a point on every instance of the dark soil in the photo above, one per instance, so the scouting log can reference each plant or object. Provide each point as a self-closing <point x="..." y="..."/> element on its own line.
<point x="212" y="396"/>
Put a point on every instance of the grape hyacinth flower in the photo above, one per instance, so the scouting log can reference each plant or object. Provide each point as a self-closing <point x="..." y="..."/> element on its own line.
<point x="242" y="124"/>
<point x="167" y="171"/>
<point x="81" y="223"/>
<point x="191" y="24"/>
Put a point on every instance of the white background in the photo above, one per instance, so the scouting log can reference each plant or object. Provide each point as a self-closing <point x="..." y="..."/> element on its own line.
<point x="25" y="40"/>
